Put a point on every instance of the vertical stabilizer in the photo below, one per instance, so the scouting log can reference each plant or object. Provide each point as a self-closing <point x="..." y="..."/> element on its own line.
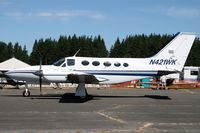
<point x="174" y="54"/>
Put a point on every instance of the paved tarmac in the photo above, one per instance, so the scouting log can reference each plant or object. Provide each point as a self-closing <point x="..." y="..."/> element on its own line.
<point x="105" y="111"/>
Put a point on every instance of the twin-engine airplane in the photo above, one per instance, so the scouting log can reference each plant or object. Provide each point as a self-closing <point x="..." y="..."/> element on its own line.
<point x="87" y="70"/>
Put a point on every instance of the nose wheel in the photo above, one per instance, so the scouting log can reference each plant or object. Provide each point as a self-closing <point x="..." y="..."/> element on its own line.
<point x="26" y="92"/>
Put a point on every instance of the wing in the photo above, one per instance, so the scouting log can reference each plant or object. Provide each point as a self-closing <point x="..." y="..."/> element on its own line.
<point x="84" y="78"/>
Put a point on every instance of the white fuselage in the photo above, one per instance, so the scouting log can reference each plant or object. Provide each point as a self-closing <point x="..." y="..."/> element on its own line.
<point x="106" y="70"/>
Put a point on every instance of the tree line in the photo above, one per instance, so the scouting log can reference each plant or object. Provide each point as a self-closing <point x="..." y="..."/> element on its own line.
<point x="52" y="50"/>
<point x="10" y="50"/>
<point x="133" y="46"/>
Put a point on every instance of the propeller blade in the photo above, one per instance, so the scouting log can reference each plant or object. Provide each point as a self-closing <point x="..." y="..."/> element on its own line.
<point x="40" y="63"/>
<point x="40" y="75"/>
<point x="40" y="82"/>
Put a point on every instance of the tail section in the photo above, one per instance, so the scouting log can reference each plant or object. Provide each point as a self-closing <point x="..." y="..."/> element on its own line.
<point x="173" y="56"/>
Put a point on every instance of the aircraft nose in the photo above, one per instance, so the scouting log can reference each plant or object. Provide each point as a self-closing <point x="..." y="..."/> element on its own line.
<point x="14" y="75"/>
<point x="9" y="73"/>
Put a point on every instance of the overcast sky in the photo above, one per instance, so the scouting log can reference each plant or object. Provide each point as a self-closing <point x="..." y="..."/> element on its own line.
<point x="24" y="21"/>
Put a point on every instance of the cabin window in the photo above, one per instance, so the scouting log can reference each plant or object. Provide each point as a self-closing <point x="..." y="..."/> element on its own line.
<point x="64" y="65"/>
<point x="85" y="63"/>
<point x="117" y="64"/>
<point x="107" y="64"/>
<point x="70" y="62"/>
<point x="194" y="73"/>
<point x="95" y="63"/>
<point x="125" y="64"/>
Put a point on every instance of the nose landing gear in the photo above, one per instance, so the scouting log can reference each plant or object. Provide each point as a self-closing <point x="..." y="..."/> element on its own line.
<point x="26" y="92"/>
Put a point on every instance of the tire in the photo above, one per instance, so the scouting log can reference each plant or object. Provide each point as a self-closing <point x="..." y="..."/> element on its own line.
<point x="26" y="93"/>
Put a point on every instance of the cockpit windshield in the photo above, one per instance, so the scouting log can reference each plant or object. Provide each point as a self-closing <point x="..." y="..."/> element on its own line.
<point x="59" y="62"/>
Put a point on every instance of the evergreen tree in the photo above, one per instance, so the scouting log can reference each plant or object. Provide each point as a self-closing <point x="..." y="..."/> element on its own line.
<point x="115" y="49"/>
<point x="34" y="56"/>
<point x="24" y="55"/>
<point x="10" y="52"/>
<point x="3" y="48"/>
<point x="194" y="55"/>
<point x="99" y="47"/>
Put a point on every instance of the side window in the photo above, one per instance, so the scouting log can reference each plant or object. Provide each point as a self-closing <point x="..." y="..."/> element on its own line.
<point x="70" y="62"/>
<point x="85" y="63"/>
<point x="117" y="64"/>
<point x="107" y="64"/>
<point x="125" y="64"/>
<point x="95" y="63"/>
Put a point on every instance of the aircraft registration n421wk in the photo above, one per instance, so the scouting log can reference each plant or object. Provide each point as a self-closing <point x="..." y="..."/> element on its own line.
<point x="163" y="62"/>
<point x="89" y="70"/>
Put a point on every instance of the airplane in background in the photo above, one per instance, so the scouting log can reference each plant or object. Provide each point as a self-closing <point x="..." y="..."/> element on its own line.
<point x="89" y="70"/>
<point x="8" y="65"/>
<point x="5" y="80"/>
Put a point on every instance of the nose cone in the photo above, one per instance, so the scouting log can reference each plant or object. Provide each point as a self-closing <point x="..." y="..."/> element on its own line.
<point x="29" y="74"/>
<point x="9" y="73"/>
<point x="21" y="74"/>
<point x="13" y="74"/>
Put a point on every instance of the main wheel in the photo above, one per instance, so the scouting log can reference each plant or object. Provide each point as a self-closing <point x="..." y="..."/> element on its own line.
<point x="26" y="93"/>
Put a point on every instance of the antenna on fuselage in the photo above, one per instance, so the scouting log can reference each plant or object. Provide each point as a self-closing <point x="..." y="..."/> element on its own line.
<point x="76" y="53"/>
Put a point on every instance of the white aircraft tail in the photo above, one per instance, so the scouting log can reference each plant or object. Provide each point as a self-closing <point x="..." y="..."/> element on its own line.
<point x="173" y="56"/>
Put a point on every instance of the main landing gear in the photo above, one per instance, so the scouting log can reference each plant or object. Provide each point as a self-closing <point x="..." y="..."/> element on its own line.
<point x="81" y="91"/>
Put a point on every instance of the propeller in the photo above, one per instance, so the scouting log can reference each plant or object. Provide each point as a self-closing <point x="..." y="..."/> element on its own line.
<point x="40" y="76"/>
<point x="39" y="73"/>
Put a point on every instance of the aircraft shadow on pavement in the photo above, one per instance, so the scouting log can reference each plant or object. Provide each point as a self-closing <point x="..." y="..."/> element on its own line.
<point x="71" y="98"/>
<point x="158" y="97"/>
<point x="63" y="98"/>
